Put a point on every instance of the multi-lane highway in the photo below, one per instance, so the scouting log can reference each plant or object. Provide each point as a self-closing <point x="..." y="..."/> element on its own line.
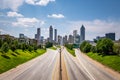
<point x="40" y="68"/>
<point x="47" y="67"/>
<point x="80" y="68"/>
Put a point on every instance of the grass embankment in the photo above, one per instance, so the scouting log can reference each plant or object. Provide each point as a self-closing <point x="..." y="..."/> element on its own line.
<point x="12" y="59"/>
<point x="72" y="52"/>
<point x="112" y="61"/>
<point x="53" y="48"/>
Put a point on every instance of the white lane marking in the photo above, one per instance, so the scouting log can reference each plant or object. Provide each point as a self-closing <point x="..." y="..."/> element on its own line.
<point x="91" y="77"/>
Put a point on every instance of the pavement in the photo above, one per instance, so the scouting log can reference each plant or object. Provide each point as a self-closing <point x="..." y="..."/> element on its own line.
<point x="40" y="68"/>
<point x="47" y="67"/>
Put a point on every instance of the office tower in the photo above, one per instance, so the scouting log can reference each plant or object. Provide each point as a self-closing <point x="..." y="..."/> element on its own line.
<point x="71" y="39"/>
<point x="74" y="35"/>
<point x="65" y="39"/>
<point x="55" y="35"/>
<point x="38" y="35"/>
<point x="82" y="33"/>
<point x="51" y="34"/>
<point x="21" y="36"/>
<point x="59" y="40"/>
<point x="110" y="36"/>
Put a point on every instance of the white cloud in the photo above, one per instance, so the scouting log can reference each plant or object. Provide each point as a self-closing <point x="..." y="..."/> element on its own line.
<point x="27" y="22"/>
<point x="39" y="2"/>
<point x="11" y="4"/>
<point x="14" y="14"/>
<point x="58" y="16"/>
<point x="96" y="27"/>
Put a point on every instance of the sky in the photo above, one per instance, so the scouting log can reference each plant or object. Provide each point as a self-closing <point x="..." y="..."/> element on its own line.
<point x="25" y="16"/>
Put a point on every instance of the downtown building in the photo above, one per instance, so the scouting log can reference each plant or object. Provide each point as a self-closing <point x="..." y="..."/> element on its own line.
<point x="55" y="35"/>
<point x="110" y="36"/>
<point x="51" y="34"/>
<point x="38" y="36"/>
<point x="82" y="34"/>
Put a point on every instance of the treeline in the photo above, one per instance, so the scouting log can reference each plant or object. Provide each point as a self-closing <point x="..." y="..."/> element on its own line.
<point x="13" y="44"/>
<point x="103" y="46"/>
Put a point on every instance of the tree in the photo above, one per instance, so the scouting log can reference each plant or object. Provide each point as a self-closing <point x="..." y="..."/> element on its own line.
<point x="30" y="48"/>
<point x="104" y="46"/>
<point x="93" y="49"/>
<point x="116" y="49"/>
<point x="0" y="42"/>
<point x="87" y="48"/>
<point x="48" y="44"/>
<point x="69" y="46"/>
<point x="5" y="47"/>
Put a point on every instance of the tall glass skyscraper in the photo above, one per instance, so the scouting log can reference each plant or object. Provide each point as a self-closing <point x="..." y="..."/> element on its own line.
<point x="82" y="33"/>
<point x="38" y="35"/>
<point x="55" y="35"/>
<point x="51" y="34"/>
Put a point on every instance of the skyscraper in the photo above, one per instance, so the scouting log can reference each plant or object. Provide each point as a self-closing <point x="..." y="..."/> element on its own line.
<point x="51" y="34"/>
<point x="74" y="35"/>
<point x="110" y="36"/>
<point x="55" y="35"/>
<point x="82" y="33"/>
<point x="38" y="35"/>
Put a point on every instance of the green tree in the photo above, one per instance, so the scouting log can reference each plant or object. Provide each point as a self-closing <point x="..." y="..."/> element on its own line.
<point x="87" y="48"/>
<point x="93" y="49"/>
<point x="1" y="42"/>
<point x="105" y="46"/>
<point x="5" y="47"/>
<point x="30" y="48"/>
<point x="83" y="45"/>
<point x="48" y="44"/>
<point x="116" y="49"/>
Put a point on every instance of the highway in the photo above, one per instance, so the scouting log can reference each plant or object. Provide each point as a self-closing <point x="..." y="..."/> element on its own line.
<point x="40" y="68"/>
<point x="47" y="66"/>
<point x="80" y="68"/>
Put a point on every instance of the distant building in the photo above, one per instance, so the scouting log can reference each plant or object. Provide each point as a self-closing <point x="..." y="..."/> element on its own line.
<point x="59" y="40"/>
<point x="50" y="34"/>
<point x="38" y="36"/>
<point x="110" y="36"/>
<point x="65" y="41"/>
<point x="71" y="39"/>
<point x="55" y="35"/>
<point x="77" y="39"/>
<point x="21" y="35"/>
<point x="82" y="33"/>
<point x="74" y="35"/>
<point x="3" y="36"/>
<point x="41" y="39"/>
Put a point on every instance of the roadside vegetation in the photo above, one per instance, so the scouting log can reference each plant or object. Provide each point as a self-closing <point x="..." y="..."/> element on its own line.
<point x="53" y="48"/>
<point x="105" y="51"/>
<point x="70" y="49"/>
<point x="14" y="53"/>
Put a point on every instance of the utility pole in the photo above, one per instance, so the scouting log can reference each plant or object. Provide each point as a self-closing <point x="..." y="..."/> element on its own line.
<point x="60" y="78"/>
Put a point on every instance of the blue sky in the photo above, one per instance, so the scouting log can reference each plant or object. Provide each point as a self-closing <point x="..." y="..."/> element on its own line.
<point x="24" y="16"/>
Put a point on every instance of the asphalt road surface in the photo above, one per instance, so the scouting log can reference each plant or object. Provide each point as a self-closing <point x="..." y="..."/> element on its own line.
<point x="80" y="68"/>
<point x="46" y="67"/>
<point x="40" y="68"/>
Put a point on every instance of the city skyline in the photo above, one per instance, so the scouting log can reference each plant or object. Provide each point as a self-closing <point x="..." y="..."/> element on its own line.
<point x="99" y="17"/>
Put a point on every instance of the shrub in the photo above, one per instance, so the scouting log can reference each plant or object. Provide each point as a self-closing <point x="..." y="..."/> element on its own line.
<point x="5" y="47"/>
<point x="48" y="44"/>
